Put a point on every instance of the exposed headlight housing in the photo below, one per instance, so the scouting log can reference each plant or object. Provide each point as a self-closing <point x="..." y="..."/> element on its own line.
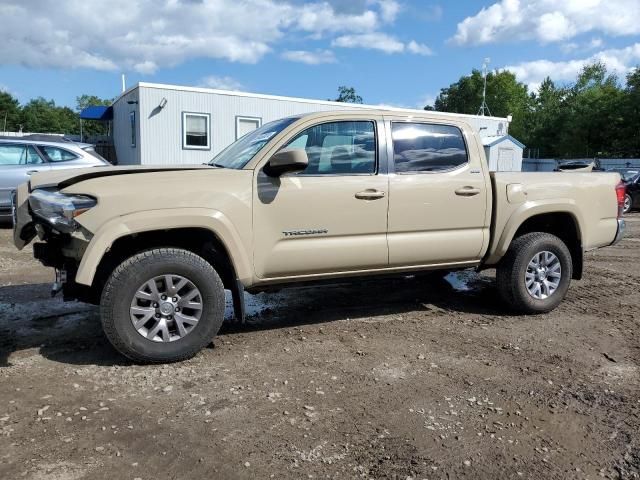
<point x="59" y="209"/>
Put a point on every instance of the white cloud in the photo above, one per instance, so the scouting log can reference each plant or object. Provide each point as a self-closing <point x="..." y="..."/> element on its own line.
<point x="426" y="100"/>
<point x="146" y="35"/>
<point x="381" y="41"/>
<point x="620" y="61"/>
<point x="374" y="41"/>
<point x="548" y="21"/>
<point x="418" y="48"/>
<point x="310" y="58"/>
<point x="221" y="83"/>
<point x="389" y="10"/>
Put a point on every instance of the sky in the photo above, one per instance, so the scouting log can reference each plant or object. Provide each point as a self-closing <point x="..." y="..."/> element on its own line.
<point x="393" y="52"/>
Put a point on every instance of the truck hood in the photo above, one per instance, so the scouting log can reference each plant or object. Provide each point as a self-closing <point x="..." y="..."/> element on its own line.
<point x="67" y="177"/>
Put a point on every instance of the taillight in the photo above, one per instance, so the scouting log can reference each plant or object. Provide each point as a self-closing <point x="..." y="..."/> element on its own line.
<point x="621" y="191"/>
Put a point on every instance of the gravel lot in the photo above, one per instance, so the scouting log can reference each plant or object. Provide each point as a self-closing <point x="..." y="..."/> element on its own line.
<point x="382" y="379"/>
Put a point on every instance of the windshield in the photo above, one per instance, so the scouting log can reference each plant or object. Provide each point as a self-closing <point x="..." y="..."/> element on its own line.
<point x="239" y="153"/>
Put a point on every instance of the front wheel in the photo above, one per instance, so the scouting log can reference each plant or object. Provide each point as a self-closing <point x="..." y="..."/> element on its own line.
<point x="535" y="273"/>
<point x="162" y="305"/>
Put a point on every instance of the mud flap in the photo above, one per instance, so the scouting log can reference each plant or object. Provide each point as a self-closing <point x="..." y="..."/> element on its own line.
<point x="237" y="294"/>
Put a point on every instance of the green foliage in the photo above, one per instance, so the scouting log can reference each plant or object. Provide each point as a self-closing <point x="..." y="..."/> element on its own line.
<point x="40" y="115"/>
<point x="9" y="112"/>
<point x="594" y="117"/>
<point x="348" y="95"/>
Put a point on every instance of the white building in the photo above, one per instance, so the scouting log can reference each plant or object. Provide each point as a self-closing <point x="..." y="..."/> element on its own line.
<point x="503" y="152"/>
<point x="168" y="124"/>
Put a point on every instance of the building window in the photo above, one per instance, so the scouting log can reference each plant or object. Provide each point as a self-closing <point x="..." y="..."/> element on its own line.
<point x="245" y="125"/>
<point x="196" y="131"/>
<point x="421" y="147"/>
<point x="132" y="121"/>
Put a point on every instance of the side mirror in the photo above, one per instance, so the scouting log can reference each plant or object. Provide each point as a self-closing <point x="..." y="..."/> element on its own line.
<point x="287" y="160"/>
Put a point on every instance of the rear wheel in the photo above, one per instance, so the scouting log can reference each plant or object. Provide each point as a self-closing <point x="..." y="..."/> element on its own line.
<point x="628" y="203"/>
<point x="534" y="275"/>
<point x="162" y="305"/>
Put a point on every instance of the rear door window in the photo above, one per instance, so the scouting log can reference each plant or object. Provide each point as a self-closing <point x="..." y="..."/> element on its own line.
<point x="57" y="155"/>
<point x="423" y="147"/>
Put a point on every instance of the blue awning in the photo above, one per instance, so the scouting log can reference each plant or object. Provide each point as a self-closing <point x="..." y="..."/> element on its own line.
<point x="97" y="113"/>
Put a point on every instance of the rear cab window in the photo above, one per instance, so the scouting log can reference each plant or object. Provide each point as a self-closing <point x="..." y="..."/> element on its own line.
<point x="427" y="147"/>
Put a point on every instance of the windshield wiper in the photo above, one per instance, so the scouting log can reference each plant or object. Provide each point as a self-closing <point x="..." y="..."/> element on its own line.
<point x="215" y="165"/>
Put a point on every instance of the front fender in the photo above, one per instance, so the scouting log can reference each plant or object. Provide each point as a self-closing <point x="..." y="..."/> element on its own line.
<point x="164" y="219"/>
<point x="527" y="210"/>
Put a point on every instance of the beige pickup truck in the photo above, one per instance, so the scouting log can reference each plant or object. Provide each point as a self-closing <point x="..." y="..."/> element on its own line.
<point x="316" y="197"/>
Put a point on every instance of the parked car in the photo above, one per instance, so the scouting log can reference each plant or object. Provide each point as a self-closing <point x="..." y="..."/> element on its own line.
<point x="21" y="157"/>
<point x="318" y="197"/>
<point x="580" y="166"/>
<point x="631" y="179"/>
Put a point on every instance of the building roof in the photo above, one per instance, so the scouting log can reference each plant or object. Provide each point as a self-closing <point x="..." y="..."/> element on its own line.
<point x="355" y="106"/>
<point x="492" y="140"/>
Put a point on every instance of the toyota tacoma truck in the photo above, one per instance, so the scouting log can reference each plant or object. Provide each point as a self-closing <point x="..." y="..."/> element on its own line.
<point x="310" y="198"/>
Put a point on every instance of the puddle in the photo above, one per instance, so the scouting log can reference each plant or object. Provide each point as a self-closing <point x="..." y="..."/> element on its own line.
<point x="460" y="281"/>
<point x="468" y="281"/>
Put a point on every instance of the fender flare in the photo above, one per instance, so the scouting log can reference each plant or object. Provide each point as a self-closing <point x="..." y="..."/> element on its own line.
<point x="213" y="220"/>
<point x="529" y="210"/>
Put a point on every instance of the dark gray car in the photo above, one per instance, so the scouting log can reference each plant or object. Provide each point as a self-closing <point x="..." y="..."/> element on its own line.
<point x="20" y="157"/>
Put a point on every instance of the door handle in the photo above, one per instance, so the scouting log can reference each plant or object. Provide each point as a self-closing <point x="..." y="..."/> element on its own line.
<point x="467" y="191"/>
<point x="31" y="172"/>
<point x="370" y="194"/>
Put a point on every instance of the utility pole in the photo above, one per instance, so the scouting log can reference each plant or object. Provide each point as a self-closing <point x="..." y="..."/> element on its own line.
<point x="484" y="108"/>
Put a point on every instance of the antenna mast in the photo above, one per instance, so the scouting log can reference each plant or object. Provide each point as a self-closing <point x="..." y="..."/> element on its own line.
<point x="484" y="108"/>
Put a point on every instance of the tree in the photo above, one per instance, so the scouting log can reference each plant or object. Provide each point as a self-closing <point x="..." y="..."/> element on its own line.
<point x="629" y="140"/>
<point x="348" y="95"/>
<point x="9" y="113"/>
<point x="547" y="118"/>
<point x="593" y="115"/>
<point x="43" y="116"/>
<point x="505" y="96"/>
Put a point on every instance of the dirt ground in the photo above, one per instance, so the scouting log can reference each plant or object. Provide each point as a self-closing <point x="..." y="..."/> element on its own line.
<point x="404" y="378"/>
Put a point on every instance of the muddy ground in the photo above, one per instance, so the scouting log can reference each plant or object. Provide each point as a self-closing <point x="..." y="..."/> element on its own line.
<point x="381" y="379"/>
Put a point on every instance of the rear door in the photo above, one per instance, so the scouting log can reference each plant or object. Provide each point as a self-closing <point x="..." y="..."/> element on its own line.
<point x="332" y="217"/>
<point x="439" y="195"/>
<point x="17" y="162"/>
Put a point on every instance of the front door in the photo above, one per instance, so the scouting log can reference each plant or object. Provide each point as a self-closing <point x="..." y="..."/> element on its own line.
<point x="332" y="217"/>
<point x="439" y="210"/>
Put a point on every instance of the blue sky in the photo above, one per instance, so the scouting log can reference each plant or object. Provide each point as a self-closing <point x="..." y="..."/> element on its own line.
<point x="395" y="52"/>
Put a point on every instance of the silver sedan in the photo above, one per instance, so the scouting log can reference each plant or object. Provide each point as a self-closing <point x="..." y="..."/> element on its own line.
<point x="20" y="157"/>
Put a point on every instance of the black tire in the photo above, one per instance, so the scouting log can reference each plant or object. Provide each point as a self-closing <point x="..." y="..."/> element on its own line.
<point x="628" y="203"/>
<point x="510" y="275"/>
<point x="124" y="282"/>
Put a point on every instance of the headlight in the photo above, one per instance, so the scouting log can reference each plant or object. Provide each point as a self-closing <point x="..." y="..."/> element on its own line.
<point x="58" y="209"/>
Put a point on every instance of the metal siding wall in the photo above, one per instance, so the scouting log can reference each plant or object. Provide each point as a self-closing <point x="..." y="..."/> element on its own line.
<point x="125" y="153"/>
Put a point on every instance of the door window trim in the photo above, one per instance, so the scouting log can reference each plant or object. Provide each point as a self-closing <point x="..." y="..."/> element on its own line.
<point x="376" y="170"/>
<point x="391" y="150"/>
